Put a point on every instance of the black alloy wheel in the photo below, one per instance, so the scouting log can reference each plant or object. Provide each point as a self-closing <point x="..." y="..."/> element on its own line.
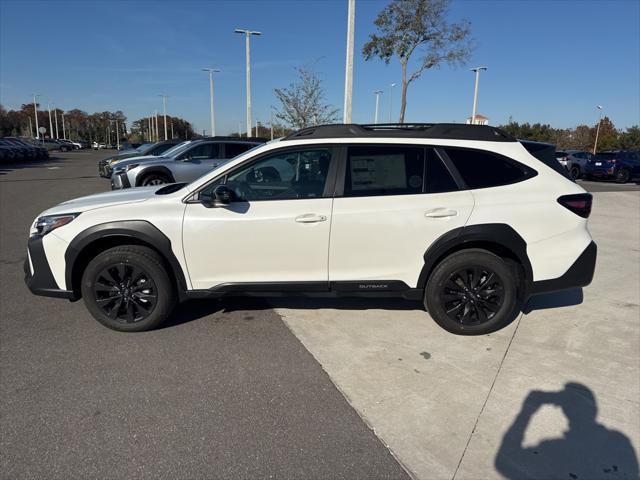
<point x="623" y="176"/>
<point x="125" y="293"/>
<point x="472" y="295"/>
<point x="128" y="288"/>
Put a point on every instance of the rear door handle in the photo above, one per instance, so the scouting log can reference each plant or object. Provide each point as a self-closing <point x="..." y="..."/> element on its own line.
<point x="310" y="218"/>
<point x="440" y="213"/>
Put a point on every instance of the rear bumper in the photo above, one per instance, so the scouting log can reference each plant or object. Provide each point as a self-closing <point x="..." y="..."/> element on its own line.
<point x="579" y="274"/>
<point x="37" y="274"/>
<point x="120" y="181"/>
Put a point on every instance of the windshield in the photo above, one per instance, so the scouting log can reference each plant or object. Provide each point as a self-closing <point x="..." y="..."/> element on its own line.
<point x="172" y="152"/>
<point x="144" y="147"/>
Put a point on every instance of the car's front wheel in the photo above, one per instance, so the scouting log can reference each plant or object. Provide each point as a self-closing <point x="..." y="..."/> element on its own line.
<point x="472" y="292"/>
<point x="154" y="179"/>
<point x="127" y="288"/>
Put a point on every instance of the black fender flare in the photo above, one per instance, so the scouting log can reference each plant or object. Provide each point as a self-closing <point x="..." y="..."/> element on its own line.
<point x="154" y="169"/>
<point x="141" y="230"/>
<point x="498" y="234"/>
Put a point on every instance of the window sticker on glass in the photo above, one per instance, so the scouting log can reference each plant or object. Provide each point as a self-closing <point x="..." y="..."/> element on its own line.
<point x="378" y="171"/>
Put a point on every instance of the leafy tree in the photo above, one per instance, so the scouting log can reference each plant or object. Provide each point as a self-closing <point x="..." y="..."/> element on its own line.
<point x="407" y="26"/>
<point x="630" y="140"/>
<point x="302" y="103"/>
<point x="608" y="136"/>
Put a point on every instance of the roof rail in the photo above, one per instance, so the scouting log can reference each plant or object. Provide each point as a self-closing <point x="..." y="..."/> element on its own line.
<point x="454" y="131"/>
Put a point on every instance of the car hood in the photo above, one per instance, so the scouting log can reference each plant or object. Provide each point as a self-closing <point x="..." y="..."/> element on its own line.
<point x="129" y="160"/>
<point x="107" y="199"/>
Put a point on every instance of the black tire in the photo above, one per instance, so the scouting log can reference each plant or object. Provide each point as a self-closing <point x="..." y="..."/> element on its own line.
<point x="623" y="176"/>
<point x="154" y="179"/>
<point x="575" y="172"/>
<point x="491" y="306"/>
<point x="127" y="288"/>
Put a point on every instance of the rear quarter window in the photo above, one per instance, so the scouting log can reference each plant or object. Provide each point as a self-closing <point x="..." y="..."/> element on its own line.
<point x="482" y="169"/>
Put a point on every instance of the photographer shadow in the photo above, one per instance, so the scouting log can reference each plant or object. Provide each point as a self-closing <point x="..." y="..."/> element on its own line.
<point x="587" y="450"/>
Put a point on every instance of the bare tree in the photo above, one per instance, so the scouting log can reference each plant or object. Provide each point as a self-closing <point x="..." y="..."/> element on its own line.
<point x="303" y="102"/>
<point x="405" y="26"/>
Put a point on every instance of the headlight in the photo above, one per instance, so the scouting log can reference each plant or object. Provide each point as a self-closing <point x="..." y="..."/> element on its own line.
<point x="125" y="168"/>
<point x="46" y="224"/>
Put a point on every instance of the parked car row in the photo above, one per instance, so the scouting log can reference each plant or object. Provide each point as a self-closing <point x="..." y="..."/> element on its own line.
<point x="172" y="161"/>
<point x="14" y="149"/>
<point x="620" y="165"/>
<point x="61" y="144"/>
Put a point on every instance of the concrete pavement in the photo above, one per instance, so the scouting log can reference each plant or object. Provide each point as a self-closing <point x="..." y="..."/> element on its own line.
<point x="454" y="407"/>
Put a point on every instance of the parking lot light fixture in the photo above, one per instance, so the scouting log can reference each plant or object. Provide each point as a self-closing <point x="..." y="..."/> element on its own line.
<point x="391" y="100"/>
<point x="595" y="145"/>
<point x="247" y="34"/>
<point x="477" y="70"/>
<point x="348" y="74"/>
<point x="35" y="114"/>
<point x="164" y="108"/>
<point x="64" y="132"/>
<point x="377" y="93"/>
<point x="211" y="106"/>
<point x="55" y="116"/>
<point x="50" y="121"/>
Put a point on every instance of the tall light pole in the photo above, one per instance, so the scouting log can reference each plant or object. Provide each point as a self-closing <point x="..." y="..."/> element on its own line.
<point x="271" y="121"/>
<point x="391" y="101"/>
<point x="348" y="74"/>
<point x="595" y="145"/>
<point x="213" y="115"/>
<point x="164" y="108"/>
<point x="50" y="122"/>
<point x="247" y="35"/>
<point x="155" y="116"/>
<point x="377" y="93"/>
<point x="64" y="132"/>
<point x="55" y="115"/>
<point x="35" y="113"/>
<point x="475" y="93"/>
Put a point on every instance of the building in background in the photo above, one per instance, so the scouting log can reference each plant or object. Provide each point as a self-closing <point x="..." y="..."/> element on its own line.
<point x="480" y="120"/>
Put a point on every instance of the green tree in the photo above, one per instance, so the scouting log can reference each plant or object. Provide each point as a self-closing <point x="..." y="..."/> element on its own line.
<point x="630" y="140"/>
<point x="407" y="26"/>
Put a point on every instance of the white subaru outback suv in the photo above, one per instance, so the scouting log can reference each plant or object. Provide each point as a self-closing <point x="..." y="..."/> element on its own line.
<point x="462" y="217"/>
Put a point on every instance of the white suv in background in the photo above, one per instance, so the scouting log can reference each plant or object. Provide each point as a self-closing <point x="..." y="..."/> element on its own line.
<point x="462" y="217"/>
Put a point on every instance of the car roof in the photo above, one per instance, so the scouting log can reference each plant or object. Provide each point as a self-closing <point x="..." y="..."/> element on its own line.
<point x="456" y="131"/>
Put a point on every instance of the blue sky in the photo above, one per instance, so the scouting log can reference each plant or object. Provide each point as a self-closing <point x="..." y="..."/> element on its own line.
<point x="549" y="61"/>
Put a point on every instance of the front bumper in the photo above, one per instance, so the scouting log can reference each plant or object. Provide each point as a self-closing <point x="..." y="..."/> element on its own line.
<point x="37" y="274"/>
<point x="579" y="274"/>
<point x="104" y="169"/>
<point x="120" y="181"/>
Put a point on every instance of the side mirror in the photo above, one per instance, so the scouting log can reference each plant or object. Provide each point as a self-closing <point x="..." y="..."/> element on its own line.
<point x="223" y="195"/>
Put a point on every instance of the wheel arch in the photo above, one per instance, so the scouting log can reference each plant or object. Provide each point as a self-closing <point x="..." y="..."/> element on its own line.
<point x="497" y="238"/>
<point x="145" y="172"/>
<point x="94" y="240"/>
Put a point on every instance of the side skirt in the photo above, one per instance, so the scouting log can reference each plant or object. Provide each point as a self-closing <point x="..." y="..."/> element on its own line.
<point x="368" y="288"/>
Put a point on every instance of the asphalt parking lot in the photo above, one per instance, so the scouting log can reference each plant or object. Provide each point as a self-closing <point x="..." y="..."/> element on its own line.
<point x="295" y="388"/>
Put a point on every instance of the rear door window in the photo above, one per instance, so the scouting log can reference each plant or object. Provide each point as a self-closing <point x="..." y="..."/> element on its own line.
<point x="438" y="178"/>
<point x="482" y="169"/>
<point x="234" y="149"/>
<point x="384" y="170"/>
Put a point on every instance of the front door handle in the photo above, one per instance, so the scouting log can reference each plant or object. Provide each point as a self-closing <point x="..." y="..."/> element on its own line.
<point x="440" y="213"/>
<point x="310" y="218"/>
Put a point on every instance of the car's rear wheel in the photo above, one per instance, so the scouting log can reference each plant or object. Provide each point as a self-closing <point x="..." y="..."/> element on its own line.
<point x="154" y="179"/>
<point x="472" y="292"/>
<point x="623" y="175"/>
<point x="575" y="172"/>
<point x="127" y="288"/>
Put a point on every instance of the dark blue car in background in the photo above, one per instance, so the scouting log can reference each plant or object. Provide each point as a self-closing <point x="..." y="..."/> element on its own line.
<point x="621" y="166"/>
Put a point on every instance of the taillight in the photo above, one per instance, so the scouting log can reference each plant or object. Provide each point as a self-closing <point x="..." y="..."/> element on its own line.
<point x="580" y="203"/>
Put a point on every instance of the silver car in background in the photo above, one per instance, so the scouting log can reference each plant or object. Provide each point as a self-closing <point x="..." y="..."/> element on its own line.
<point x="183" y="163"/>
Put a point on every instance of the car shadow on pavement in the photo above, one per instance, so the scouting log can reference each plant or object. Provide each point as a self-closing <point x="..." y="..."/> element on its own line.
<point x="196" y="309"/>
<point x="565" y="298"/>
<point x="587" y="449"/>
<point x="7" y="167"/>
